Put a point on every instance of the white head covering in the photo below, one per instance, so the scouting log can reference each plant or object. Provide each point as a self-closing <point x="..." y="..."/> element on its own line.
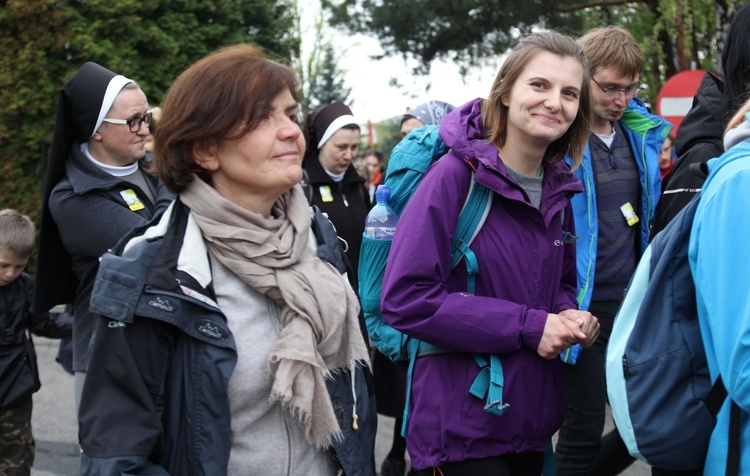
<point x="338" y="123"/>
<point x="113" y="89"/>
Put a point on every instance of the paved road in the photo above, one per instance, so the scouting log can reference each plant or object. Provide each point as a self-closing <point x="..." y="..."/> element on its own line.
<point x="55" y="427"/>
<point x="54" y="420"/>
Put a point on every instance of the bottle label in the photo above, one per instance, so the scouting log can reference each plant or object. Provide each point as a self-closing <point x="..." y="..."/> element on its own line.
<point x="380" y="233"/>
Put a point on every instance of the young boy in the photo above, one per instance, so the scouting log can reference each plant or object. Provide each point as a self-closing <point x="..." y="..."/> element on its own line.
<point x="18" y="371"/>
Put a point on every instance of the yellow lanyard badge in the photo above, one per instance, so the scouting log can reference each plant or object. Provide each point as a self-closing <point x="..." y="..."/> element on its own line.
<point x="629" y="213"/>
<point x="132" y="200"/>
<point x="325" y="193"/>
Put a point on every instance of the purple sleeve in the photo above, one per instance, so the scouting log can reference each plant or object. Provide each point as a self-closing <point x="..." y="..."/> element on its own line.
<point x="422" y="299"/>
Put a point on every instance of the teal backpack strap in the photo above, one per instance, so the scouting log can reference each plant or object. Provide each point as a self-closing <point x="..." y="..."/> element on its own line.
<point x="470" y="221"/>
<point x="413" y="354"/>
<point x="548" y="468"/>
<point x="489" y="384"/>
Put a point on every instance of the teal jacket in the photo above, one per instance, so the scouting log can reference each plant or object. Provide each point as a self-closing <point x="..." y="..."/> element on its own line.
<point x="646" y="133"/>
<point x="720" y="261"/>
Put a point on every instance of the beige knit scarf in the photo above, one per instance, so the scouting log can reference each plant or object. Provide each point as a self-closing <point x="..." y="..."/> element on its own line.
<point x="319" y="326"/>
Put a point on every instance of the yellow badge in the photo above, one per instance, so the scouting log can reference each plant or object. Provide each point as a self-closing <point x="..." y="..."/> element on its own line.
<point x="629" y="214"/>
<point x="132" y="200"/>
<point x="325" y="193"/>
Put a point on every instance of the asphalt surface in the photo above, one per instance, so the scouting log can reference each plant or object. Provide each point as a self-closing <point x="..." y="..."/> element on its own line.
<point x="55" y="428"/>
<point x="54" y="418"/>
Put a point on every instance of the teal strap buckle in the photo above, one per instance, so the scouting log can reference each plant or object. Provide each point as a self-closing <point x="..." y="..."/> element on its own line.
<point x="489" y="384"/>
<point x="472" y="265"/>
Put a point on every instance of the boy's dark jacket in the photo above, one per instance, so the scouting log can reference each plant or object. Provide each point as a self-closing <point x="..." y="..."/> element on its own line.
<point x="18" y="370"/>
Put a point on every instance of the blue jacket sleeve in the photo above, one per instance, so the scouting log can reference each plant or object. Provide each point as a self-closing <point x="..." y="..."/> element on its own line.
<point x="720" y="260"/>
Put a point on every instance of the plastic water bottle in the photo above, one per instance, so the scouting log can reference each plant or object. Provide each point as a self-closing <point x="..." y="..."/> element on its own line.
<point x="380" y="223"/>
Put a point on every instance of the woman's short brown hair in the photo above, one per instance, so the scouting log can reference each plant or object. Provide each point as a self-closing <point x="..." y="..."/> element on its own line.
<point x="221" y="97"/>
<point x="495" y="113"/>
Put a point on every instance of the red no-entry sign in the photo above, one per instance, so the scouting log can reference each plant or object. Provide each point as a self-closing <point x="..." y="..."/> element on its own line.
<point x="676" y="96"/>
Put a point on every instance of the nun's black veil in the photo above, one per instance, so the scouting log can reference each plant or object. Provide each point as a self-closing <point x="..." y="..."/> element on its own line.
<point x="78" y="108"/>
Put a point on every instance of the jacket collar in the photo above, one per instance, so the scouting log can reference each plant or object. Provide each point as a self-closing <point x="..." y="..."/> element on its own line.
<point x="85" y="176"/>
<point x="317" y="174"/>
<point x="169" y="255"/>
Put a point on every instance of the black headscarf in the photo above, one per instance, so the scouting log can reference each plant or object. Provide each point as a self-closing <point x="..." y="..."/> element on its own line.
<point x="320" y="121"/>
<point x="82" y="104"/>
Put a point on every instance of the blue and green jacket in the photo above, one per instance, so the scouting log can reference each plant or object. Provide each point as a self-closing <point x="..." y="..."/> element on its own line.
<point x="646" y="133"/>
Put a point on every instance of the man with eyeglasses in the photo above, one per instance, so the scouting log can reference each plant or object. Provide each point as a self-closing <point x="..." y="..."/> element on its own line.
<point x="95" y="192"/>
<point x="621" y="180"/>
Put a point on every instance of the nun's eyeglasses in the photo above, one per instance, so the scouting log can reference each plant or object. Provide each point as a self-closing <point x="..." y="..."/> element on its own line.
<point x="134" y="124"/>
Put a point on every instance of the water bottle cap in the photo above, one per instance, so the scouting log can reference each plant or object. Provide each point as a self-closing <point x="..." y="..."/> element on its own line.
<point x="382" y="193"/>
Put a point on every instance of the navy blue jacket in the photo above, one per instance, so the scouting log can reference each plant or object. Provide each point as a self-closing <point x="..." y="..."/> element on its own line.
<point x="161" y="406"/>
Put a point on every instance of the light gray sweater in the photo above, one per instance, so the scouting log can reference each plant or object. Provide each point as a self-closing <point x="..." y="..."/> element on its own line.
<point x="266" y="440"/>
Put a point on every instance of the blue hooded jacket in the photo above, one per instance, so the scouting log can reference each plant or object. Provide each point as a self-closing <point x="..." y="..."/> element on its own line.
<point x="646" y="133"/>
<point x="720" y="261"/>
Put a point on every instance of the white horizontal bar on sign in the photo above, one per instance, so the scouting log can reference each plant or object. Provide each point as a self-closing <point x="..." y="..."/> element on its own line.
<point x="675" y="106"/>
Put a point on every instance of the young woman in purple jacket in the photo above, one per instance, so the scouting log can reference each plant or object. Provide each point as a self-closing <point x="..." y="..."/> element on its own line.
<point x="524" y="309"/>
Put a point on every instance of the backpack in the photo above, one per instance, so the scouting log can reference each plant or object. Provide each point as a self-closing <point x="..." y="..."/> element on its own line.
<point x="663" y="401"/>
<point x="409" y="162"/>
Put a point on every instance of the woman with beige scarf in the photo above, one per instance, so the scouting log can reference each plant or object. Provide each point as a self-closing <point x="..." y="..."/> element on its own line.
<point x="226" y="344"/>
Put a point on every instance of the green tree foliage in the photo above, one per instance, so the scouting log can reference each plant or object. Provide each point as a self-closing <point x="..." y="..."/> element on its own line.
<point x="330" y="86"/>
<point x="465" y="31"/>
<point x="673" y="33"/>
<point x="45" y="41"/>
<point x="31" y="32"/>
<point x="389" y="134"/>
<point x="321" y="79"/>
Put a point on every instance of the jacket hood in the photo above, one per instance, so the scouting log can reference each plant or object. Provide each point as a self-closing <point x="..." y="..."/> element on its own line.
<point x="639" y="119"/>
<point x="738" y="153"/>
<point x="463" y="132"/>
<point x="705" y="120"/>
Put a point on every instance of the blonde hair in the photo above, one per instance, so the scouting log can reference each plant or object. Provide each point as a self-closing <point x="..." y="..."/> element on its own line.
<point x="16" y="233"/>
<point x="495" y="113"/>
<point x="738" y="118"/>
